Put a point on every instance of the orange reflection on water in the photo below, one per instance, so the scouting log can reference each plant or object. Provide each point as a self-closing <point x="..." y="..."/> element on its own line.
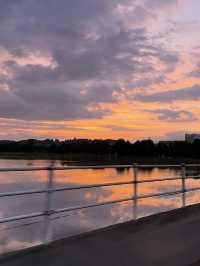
<point x="27" y="180"/>
<point x="79" y="221"/>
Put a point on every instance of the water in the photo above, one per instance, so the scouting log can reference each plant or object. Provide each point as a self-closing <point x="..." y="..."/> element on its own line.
<point x="13" y="236"/>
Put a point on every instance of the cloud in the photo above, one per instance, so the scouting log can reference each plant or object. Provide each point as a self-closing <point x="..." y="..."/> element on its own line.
<point x="137" y="16"/>
<point x="196" y="72"/>
<point x="169" y="115"/>
<point x="161" y="4"/>
<point x="84" y="54"/>
<point x="185" y="94"/>
<point x="122" y="129"/>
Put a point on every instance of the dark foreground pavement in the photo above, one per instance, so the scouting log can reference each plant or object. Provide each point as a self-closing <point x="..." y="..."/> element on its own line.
<point x="172" y="238"/>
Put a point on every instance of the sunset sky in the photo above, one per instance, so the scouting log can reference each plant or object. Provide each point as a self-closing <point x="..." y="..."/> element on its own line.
<point x="99" y="69"/>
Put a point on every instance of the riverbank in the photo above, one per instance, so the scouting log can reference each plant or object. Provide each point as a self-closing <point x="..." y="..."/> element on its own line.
<point x="86" y="158"/>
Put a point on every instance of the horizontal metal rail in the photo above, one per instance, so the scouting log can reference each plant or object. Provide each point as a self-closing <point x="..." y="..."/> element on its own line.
<point x="29" y="192"/>
<point x="68" y="188"/>
<point x="82" y="207"/>
<point x="21" y="217"/>
<point x="194" y="176"/>
<point x="61" y="168"/>
<point x="124" y="200"/>
<point x="41" y="191"/>
<point x="23" y="193"/>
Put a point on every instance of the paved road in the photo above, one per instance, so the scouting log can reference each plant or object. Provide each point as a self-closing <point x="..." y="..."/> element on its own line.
<point x="168" y="239"/>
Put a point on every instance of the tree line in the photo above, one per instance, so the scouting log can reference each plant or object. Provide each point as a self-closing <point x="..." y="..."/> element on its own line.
<point x="120" y="147"/>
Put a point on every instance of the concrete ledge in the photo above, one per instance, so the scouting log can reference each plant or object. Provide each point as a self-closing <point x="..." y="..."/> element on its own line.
<point x="170" y="238"/>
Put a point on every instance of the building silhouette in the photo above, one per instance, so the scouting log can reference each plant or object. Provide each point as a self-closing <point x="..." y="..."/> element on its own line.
<point x="190" y="138"/>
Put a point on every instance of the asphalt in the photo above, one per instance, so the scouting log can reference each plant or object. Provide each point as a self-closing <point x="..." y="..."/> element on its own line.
<point x="172" y="238"/>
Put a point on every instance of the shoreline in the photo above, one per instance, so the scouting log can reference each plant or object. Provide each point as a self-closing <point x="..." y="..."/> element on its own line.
<point x="91" y="158"/>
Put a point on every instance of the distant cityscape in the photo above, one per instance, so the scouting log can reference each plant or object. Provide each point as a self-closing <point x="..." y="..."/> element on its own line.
<point x="192" y="137"/>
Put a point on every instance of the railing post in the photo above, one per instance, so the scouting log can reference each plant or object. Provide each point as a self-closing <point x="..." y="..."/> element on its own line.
<point x="183" y="185"/>
<point x="48" y="208"/>
<point x="135" y="192"/>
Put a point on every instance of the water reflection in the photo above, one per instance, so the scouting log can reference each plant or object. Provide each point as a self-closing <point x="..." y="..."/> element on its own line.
<point x="13" y="236"/>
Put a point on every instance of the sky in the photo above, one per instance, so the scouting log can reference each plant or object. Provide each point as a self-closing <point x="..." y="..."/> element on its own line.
<point x="99" y="69"/>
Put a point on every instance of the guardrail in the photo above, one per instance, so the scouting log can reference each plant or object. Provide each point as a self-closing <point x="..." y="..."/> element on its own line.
<point x="50" y="189"/>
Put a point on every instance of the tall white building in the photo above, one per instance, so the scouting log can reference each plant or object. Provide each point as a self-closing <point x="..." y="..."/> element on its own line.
<point x="190" y="138"/>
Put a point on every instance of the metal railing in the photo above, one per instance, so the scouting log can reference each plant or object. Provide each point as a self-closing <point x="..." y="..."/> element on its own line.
<point x="50" y="189"/>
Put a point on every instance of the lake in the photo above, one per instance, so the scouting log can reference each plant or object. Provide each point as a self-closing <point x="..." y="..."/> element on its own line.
<point x="14" y="236"/>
